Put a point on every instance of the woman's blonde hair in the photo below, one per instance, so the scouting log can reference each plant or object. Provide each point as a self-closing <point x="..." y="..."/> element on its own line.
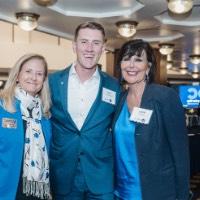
<point x="8" y="93"/>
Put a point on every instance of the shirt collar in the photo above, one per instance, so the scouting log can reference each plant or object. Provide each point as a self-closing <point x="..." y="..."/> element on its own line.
<point x="72" y="72"/>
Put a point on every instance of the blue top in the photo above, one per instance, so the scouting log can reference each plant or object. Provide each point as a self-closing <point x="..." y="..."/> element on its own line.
<point x="127" y="174"/>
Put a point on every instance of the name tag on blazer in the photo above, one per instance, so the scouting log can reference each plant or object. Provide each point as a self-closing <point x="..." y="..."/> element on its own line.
<point x="141" y="115"/>
<point x="109" y="96"/>
<point x="9" y="123"/>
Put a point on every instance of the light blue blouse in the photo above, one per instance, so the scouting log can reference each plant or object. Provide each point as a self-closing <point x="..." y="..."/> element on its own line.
<point x="127" y="174"/>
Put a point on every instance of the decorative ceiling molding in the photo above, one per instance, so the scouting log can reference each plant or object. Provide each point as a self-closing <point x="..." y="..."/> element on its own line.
<point x="156" y="35"/>
<point x="189" y="20"/>
<point x="8" y="18"/>
<point x="162" y="38"/>
<point x="118" y="10"/>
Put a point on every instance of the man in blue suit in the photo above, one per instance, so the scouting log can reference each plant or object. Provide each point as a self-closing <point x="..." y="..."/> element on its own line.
<point x="84" y="100"/>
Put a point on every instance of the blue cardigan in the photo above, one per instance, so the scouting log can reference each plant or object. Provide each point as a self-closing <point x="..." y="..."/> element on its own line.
<point x="11" y="149"/>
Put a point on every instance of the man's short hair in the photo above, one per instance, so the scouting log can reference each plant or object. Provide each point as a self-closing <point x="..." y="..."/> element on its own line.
<point x="90" y="25"/>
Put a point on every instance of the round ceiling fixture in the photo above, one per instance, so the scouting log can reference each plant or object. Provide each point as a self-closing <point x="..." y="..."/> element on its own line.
<point x="195" y="75"/>
<point x="126" y="28"/>
<point x="166" y="48"/>
<point x="45" y="2"/>
<point x="183" y="70"/>
<point x="195" y="58"/>
<point x="169" y="64"/>
<point x="180" y="6"/>
<point x="27" y="21"/>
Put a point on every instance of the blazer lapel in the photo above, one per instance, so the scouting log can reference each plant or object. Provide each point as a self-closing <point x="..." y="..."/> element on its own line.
<point x="63" y="87"/>
<point x="119" y="107"/>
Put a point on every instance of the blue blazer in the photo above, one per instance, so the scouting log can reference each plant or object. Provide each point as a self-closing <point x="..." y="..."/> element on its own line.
<point x="162" y="145"/>
<point x="11" y="150"/>
<point x="92" y="145"/>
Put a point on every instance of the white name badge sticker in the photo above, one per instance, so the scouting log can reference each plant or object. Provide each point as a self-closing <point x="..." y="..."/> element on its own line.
<point x="109" y="96"/>
<point x="141" y="115"/>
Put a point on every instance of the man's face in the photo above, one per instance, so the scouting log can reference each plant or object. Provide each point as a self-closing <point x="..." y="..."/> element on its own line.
<point x="88" y="46"/>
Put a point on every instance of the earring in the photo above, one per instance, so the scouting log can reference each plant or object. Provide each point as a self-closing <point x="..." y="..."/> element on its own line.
<point x="122" y="81"/>
<point x="150" y="64"/>
<point x="147" y="77"/>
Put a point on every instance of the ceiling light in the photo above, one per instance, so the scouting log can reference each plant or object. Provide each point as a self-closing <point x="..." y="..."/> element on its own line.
<point x="195" y="59"/>
<point x="127" y="28"/>
<point x="180" y="6"/>
<point x="45" y="2"/>
<point x="1" y="83"/>
<point x="166" y="48"/>
<point x="195" y="74"/>
<point x="169" y="64"/>
<point x="27" y="21"/>
<point x="183" y="70"/>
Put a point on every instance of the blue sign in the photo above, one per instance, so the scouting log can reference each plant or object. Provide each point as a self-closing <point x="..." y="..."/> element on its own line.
<point x="190" y="96"/>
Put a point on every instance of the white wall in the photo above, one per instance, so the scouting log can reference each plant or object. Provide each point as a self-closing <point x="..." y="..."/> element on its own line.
<point x="15" y="42"/>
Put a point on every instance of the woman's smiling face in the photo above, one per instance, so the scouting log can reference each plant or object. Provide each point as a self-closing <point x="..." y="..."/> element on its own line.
<point x="134" y="68"/>
<point x="32" y="75"/>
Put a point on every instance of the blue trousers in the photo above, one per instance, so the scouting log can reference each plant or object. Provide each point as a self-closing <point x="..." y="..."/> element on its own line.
<point x="80" y="191"/>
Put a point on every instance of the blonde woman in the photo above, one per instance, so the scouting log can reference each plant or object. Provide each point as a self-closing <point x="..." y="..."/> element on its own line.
<point x="25" y="131"/>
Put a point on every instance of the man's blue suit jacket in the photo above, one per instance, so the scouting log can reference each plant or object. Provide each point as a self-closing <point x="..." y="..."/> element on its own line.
<point x="92" y="145"/>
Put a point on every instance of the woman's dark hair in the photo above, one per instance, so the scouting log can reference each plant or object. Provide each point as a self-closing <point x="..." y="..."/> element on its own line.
<point x="136" y="47"/>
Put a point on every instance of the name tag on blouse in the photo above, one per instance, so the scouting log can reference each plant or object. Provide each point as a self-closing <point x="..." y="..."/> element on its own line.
<point x="9" y="123"/>
<point x="141" y="115"/>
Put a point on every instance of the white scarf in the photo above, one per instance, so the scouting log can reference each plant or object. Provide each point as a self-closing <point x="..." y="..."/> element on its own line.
<point x="36" y="163"/>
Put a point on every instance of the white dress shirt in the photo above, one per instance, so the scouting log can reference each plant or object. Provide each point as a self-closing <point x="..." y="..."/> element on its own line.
<point x="81" y="96"/>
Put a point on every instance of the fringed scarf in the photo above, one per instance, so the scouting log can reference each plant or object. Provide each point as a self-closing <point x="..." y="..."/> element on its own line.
<point x="36" y="164"/>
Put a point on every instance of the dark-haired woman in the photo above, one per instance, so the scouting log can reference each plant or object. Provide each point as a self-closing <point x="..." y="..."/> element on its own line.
<point x="150" y="137"/>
